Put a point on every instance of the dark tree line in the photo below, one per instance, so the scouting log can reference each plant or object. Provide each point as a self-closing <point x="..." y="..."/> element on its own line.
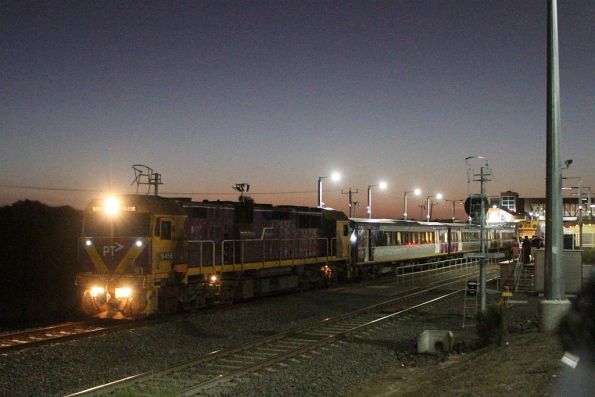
<point x="38" y="262"/>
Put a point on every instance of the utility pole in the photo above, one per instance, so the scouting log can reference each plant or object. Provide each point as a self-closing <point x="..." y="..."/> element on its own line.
<point x="454" y="202"/>
<point x="351" y="192"/>
<point x="484" y="176"/>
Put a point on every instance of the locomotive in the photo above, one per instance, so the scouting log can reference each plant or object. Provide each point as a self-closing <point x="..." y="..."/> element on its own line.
<point x="149" y="254"/>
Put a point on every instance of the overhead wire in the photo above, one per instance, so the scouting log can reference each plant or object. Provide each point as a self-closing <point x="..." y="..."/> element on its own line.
<point x="65" y="189"/>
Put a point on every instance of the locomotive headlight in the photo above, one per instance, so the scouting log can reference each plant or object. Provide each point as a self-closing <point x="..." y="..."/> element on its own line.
<point x="111" y="205"/>
<point x="139" y="243"/>
<point x="123" y="293"/>
<point x="96" y="291"/>
<point x="88" y="243"/>
<point x="213" y="278"/>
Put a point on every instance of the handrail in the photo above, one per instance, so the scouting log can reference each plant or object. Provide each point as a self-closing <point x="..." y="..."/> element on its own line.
<point x="289" y="249"/>
<point x="201" y="242"/>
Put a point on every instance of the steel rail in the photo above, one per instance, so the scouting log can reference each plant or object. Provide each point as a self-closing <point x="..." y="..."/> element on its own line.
<point x="59" y="332"/>
<point x="190" y="377"/>
<point x="65" y="332"/>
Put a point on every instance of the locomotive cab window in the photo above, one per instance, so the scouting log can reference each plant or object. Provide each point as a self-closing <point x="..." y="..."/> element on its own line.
<point x="158" y="227"/>
<point x="132" y="224"/>
<point x="165" y="230"/>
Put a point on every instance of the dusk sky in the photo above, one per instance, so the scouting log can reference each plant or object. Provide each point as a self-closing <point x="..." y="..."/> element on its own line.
<point x="278" y="93"/>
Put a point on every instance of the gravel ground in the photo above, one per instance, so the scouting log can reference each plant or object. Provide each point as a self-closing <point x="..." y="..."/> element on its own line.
<point x="345" y="366"/>
<point x="356" y="366"/>
<point x="68" y="367"/>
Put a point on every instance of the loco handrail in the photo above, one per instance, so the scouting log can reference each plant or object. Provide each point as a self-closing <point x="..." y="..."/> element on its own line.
<point x="202" y="242"/>
<point x="288" y="249"/>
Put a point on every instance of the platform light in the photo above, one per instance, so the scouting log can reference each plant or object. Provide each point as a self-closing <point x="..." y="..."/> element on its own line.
<point x="335" y="177"/>
<point x="382" y="185"/>
<point x="111" y="205"/>
<point x="416" y="192"/>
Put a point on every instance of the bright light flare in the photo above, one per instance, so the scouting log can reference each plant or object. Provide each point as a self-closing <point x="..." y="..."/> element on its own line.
<point x="111" y="205"/>
<point x="383" y="185"/>
<point x="335" y="177"/>
<point x="139" y="243"/>
<point x="439" y="196"/>
<point x="417" y="192"/>
<point x="123" y="293"/>
<point x="88" y="243"/>
<point x="96" y="291"/>
<point x="213" y="278"/>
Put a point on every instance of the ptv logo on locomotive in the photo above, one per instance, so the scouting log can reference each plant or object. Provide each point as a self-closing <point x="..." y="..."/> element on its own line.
<point x="112" y="249"/>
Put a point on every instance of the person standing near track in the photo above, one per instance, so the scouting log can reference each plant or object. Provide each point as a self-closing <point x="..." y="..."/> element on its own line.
<point x="526" y="250"/>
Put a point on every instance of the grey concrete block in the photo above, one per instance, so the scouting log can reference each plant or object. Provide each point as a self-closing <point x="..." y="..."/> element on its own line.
<point x="431" y="341"/>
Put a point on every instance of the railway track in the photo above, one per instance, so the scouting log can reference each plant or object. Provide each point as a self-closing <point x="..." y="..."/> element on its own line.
<point x="59" y="332"/>
<point x="198" y="375"/>
<point x="76" y="330"/>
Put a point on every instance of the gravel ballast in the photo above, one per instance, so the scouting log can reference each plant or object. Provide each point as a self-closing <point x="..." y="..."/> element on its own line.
<point x="342" y="368"/>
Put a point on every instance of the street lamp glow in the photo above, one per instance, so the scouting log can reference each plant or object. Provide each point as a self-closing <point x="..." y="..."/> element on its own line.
<point x="382" y="185"/>
<point x="335" y="177"/>
<point x="429" y="205"/>
<point x="416" y="192"/>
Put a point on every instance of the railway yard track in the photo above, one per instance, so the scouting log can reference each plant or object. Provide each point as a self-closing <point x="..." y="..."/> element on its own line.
<point x="58" y="333"/>
<point x="19" y="340"/>
<point x="197" y="376"/>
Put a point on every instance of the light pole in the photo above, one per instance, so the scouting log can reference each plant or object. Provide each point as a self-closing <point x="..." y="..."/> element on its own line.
<point x="417" y="192"/>
<point x="335" y="176"/>
<point x="382" y="185"/>
<point x="453" y="207"/>
<point x="429" y="206"/>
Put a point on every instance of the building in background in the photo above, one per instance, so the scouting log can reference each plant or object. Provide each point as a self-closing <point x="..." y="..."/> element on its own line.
<point x="530" y="214"/>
